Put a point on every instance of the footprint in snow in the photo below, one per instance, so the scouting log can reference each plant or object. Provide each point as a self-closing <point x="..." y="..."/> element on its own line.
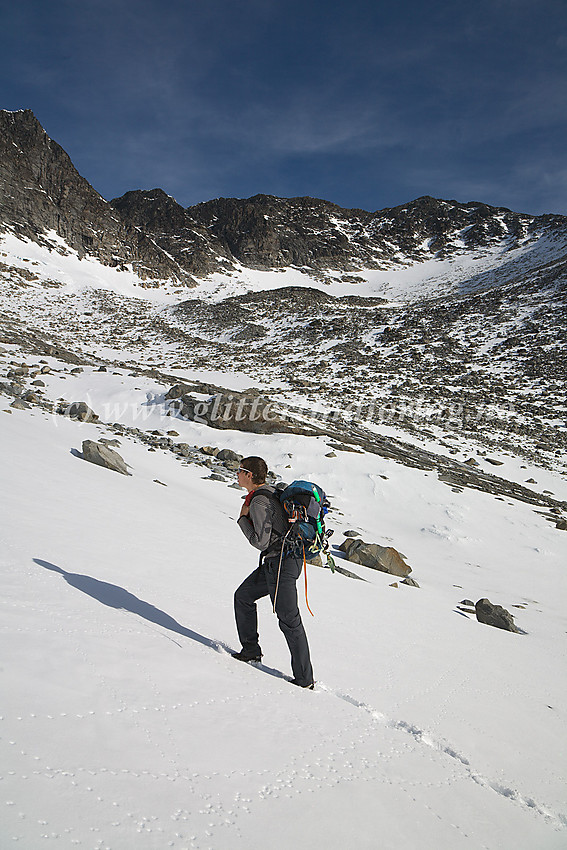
<point x="422" y="737"/>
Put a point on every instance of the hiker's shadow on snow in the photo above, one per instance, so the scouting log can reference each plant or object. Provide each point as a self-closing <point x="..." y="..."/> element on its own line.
<point x="119" y="598"/>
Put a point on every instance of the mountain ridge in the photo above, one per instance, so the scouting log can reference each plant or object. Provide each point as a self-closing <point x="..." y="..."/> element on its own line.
<point x="433" y="314"/>
<point x="63" y="202"/>
<point x="150" y="232"/>
<point x="265" y="232"/>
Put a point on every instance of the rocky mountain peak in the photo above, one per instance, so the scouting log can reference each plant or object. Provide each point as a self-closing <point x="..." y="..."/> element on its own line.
<point x="153" y="209"/>
<point x="23" y="126"/>
<point x="41" y="192"/>
<point x="41" y="189"/>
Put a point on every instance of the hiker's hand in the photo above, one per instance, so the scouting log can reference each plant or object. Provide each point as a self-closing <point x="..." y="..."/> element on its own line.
<point x="244" y="510"/>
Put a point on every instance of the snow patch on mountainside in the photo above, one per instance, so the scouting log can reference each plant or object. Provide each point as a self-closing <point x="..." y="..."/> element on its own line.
<point x="462" y="273"/>
<point x="61" y="265"/>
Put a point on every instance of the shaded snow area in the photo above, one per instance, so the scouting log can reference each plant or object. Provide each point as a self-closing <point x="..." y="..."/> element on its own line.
<point x="126" y="724"/>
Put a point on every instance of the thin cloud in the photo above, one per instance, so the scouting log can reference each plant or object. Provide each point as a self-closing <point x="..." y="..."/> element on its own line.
<point x="369" y="102"/>
<point x="543" y="181"/>
<point x="305" y="125"/>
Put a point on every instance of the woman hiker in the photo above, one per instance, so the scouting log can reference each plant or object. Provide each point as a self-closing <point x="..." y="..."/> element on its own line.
<point x="264" y="524"/>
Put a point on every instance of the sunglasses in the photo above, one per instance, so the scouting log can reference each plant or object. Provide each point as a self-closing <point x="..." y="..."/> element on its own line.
<point x="247" y="471"/>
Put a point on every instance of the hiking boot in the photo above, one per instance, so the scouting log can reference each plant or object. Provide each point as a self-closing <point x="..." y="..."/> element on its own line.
<point x="248" y="655"/>
<point x="309" y="686"/>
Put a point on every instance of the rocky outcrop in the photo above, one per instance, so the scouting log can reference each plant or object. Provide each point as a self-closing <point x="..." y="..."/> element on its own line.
<point x="41" y="191"/>
<point x="494" y="615"/>
<point x="78" y="410"/>
<point x="102" y="455"/>
<point x="266" y="232"/>
<point x="269" y="232"/>
<point x="175" y="230"/>
<point x="248" y="411"/>
<point x="376" y="557"/>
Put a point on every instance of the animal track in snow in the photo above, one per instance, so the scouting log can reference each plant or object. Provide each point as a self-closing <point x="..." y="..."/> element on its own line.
<point x="422" y="737"/>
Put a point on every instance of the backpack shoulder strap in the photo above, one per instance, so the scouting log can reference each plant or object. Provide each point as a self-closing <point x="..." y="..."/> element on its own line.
<point x="272" y="494"/>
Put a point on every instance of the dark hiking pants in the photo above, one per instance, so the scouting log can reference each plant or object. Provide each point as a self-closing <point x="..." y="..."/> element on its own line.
<point x="260" y="583"/>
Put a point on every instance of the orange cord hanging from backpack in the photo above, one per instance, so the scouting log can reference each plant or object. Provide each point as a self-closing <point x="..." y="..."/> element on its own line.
<point x="292" y="519"/>
<point x="305" y="573"/>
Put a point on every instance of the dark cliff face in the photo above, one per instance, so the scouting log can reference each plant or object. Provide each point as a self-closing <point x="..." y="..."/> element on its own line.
<point x="266" y="232"/>
<point x="173" y="229"/>
<point x="41" y="190"/>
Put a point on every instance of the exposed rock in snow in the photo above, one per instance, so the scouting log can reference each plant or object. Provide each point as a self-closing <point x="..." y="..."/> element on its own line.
<point x="78" y="410"/>
<point x="494" y="615"/>
<point x="101" y="455"/>
<point x="383" y="558"/>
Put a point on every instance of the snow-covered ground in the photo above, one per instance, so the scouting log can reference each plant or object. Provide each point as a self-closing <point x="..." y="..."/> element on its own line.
<point x="405" y="280"/>
<point x="56" y="262"/>
<point x="126" y="724"/>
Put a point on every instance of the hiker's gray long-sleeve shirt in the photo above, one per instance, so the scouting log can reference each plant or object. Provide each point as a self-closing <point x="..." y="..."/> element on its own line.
<point x="266" y="519"/>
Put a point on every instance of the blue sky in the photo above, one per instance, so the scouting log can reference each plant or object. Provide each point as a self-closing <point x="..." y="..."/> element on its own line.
<point x="367" y="104"/>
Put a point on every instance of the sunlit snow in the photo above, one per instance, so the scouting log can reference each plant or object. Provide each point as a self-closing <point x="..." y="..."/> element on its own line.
<point x="126" y="724"/>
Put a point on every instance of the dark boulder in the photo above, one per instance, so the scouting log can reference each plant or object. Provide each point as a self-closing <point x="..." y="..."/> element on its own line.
<point x="494" y="615"/>
<point x="228" y="454"/>
<point x="78" y="410"/>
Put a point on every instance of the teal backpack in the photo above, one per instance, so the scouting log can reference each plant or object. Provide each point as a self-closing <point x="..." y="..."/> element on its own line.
<point x="306" y="506"/>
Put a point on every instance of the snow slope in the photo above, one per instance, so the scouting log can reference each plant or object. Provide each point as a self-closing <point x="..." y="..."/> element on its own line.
<point x="463" y="272"/>
<point x="406" y="280"/>
<point x="61" y="265"/>
<point x="125" y="723"/>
